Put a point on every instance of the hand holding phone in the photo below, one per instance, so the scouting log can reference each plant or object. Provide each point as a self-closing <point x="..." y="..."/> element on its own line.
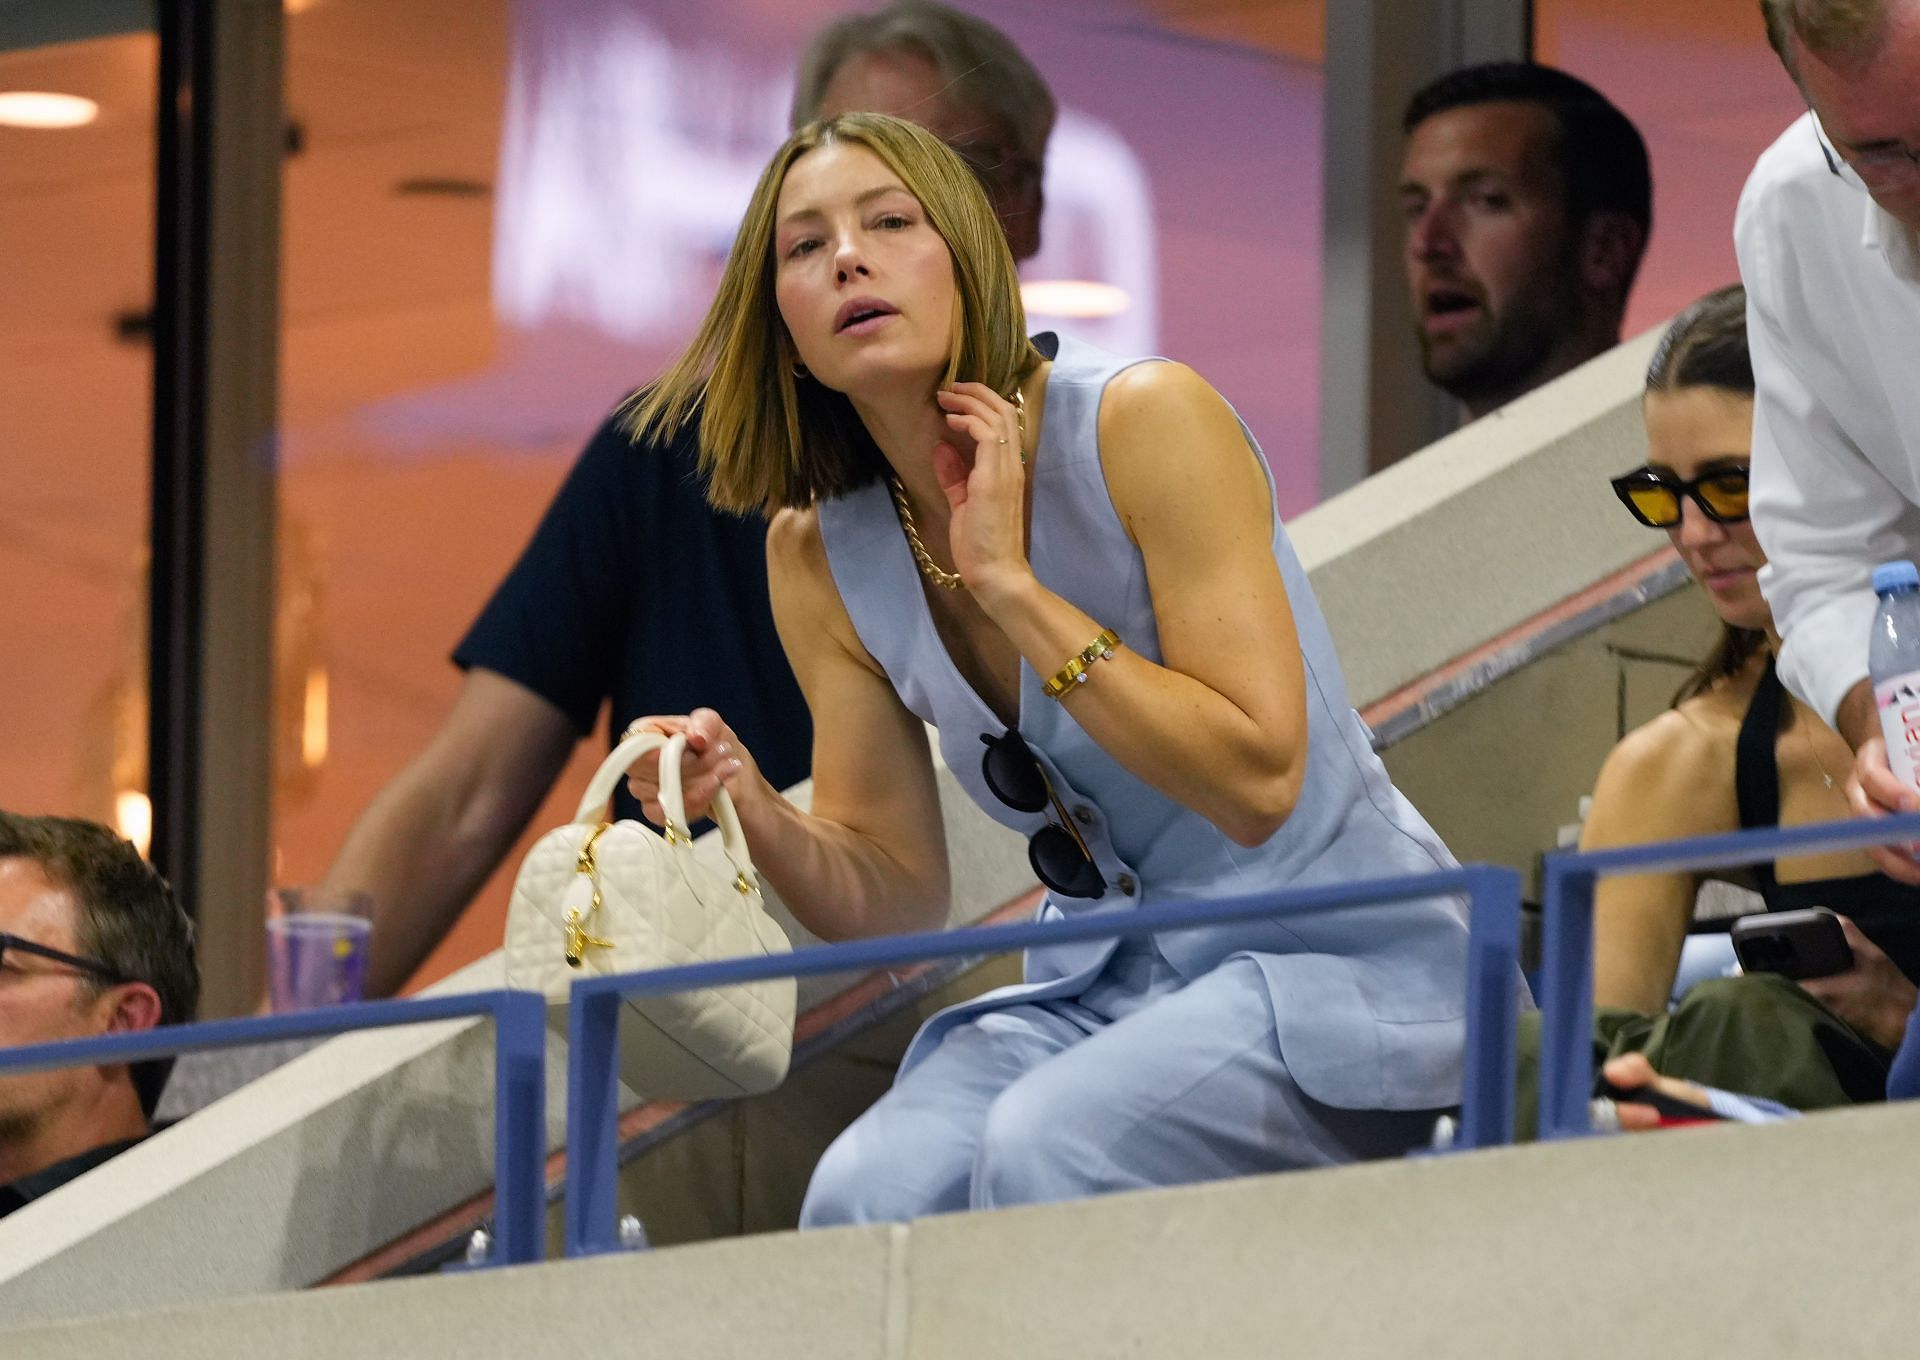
<point x="1795" y="944"/>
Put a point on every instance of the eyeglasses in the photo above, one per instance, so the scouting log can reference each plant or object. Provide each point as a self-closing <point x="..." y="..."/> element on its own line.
<point x="1654" y="498"/>
<point x="93" y="966"/>
<point x="1879" y="167"/>
<point x="1057" y="853"/>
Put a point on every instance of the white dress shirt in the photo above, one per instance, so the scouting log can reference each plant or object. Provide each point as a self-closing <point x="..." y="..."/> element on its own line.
<point x="1833" y="320"/>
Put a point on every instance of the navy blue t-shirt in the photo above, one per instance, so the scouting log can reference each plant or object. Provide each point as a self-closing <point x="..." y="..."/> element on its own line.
<point x="634" y="589"/>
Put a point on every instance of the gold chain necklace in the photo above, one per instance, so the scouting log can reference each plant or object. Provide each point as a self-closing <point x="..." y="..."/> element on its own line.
<point x="932" y="570"/>
<point x="1806" y="731"/>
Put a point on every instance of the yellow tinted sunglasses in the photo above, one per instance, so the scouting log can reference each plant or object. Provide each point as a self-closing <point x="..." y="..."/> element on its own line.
<point x="1654" y="497"/>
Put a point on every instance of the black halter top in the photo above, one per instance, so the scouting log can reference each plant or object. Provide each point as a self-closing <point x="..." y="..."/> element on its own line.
<point x="1887" y="912"/>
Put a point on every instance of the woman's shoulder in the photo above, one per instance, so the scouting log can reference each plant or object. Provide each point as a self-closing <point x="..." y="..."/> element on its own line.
<point x="1698" y="735"/>
<point x="1174" y="454"/>
<point x="1668" y="778"/>
<point x="1158" y="404"/>
<point x="794" y="539"/>
<point x="1152" y="383"/>
<point x="806" y="600"/>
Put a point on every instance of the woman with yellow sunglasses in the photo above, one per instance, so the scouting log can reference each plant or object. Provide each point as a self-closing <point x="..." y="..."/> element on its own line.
<point x="1735" y="750"/>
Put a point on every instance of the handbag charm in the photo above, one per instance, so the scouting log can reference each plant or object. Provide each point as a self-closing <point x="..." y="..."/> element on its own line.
<point x="578" y="941"/>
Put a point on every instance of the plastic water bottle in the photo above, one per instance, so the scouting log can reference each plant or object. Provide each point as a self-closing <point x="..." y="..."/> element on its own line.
<point x="1893" y="661"/>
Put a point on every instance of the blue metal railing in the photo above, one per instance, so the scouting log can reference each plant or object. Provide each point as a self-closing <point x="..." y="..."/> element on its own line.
<point x="1566" y="1000"/>
<point x="1566" y="967"/>
<point x="519" y="1081"/>
<point x="593" y="1035"/>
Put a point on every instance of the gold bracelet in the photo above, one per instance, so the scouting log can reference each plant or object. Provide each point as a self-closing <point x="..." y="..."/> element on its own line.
<point x="1075" y="671"/>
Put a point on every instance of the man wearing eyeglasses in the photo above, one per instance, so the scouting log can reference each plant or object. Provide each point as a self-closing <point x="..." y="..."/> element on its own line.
<point x="1828" y="236"/>
<point x="91" y="943"/>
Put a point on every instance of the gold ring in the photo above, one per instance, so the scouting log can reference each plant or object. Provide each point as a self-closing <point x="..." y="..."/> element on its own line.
<point x="1003" y="440"/>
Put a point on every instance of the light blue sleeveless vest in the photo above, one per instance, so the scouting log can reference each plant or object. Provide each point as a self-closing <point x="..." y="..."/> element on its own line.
<point x="1369" y="1003"/>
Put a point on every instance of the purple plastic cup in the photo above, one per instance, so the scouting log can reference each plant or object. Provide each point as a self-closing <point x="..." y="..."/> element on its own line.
<point x="316" y="949"/>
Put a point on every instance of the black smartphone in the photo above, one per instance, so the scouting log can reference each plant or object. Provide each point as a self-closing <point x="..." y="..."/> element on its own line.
<point x="1795" y="944"/>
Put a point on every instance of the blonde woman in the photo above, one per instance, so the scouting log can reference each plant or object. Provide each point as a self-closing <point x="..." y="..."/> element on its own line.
<point x="1069" y="563"/>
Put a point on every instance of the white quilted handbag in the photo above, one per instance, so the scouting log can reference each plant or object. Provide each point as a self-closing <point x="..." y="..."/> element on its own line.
<point x="594" y="898"/>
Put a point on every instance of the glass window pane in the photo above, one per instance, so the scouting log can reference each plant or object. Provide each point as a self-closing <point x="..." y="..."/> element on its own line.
<point x="76" y="378"/>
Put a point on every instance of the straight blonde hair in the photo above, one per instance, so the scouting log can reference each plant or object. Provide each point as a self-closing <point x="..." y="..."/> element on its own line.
<point x="770" y="439"/>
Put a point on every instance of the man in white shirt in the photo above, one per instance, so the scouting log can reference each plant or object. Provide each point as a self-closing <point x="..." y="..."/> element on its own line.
<point x="1828" y="237"/>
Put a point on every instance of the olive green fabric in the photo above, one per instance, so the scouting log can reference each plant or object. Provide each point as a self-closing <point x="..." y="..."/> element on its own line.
<point x="1758" y="1034"/>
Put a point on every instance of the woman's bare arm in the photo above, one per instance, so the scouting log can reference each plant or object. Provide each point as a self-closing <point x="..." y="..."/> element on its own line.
<point x="871" y="856"/>
<point x="1221" y="726"/>
<point x="1665" y="781"/>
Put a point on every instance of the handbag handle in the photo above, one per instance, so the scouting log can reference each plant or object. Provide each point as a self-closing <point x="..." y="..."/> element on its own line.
<point x="672" y="800"/>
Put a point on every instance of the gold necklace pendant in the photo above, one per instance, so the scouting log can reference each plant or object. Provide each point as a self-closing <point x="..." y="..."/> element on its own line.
<point x="932" y="570"/>
<point x="1806" y="731"/>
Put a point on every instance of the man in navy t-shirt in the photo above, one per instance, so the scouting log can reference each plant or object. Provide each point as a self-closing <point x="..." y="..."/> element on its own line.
<point x="633" y="590"/>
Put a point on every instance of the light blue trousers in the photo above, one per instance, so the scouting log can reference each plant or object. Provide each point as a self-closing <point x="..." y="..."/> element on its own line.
<point x="1143" y="1080"/>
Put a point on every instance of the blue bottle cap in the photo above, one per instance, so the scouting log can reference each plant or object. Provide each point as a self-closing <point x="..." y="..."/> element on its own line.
<point x="1891" y="576"/>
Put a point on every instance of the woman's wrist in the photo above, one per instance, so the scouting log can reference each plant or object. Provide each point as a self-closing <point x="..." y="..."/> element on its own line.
<point x="754" y="797"/>
<point x="1003" y="592"/>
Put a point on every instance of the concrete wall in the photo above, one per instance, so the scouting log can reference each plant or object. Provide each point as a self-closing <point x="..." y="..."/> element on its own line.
<point x="1495" y="524"/>
<point x="1499" y="775"/>
<point x="1787" y="1241"/>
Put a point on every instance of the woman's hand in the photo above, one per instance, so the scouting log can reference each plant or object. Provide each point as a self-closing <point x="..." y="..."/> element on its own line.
<point x="1872" y="791"/>
<point x="715" y="759"/>
<point x="1631" y="1072"/>
<point x="1873" y="996"/>
<point x="986" y="483"/>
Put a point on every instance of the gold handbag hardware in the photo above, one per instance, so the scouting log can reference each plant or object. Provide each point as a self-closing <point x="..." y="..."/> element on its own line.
<point x="578" y="942"/>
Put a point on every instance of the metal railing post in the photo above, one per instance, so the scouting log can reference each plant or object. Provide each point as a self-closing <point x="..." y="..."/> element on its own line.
<point x="1566" y="999"/>
<point x="520" y="1127"/>
<point x="593" y="1108"/>
<point x="1493" y="971"/>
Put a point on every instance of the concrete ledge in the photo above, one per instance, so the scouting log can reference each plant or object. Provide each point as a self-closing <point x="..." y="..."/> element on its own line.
<point x="1787" y="1241"/>
<point x="1487" y="528"/>
<point x="820" y="1305"/>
